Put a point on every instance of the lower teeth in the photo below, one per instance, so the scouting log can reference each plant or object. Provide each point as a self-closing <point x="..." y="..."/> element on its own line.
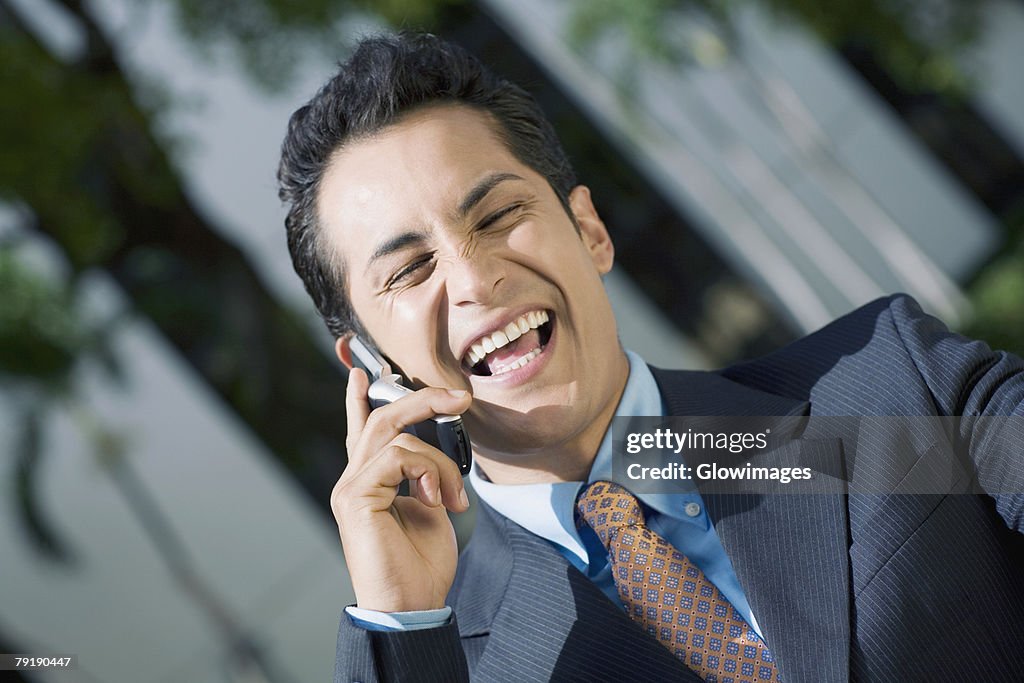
<point x="518" y="363"/>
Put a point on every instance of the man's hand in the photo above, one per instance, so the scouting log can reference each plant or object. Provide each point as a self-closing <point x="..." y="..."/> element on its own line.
<point x="401" y="551"/>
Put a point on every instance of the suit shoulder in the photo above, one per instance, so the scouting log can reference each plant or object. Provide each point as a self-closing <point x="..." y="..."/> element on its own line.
<point x="845" y="367"/>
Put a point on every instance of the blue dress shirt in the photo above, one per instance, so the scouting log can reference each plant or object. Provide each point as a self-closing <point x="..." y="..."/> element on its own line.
<point x="547" y="510"/>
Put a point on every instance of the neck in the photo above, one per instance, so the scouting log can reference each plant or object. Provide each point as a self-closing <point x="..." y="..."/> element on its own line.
<point x="567" y="460"/>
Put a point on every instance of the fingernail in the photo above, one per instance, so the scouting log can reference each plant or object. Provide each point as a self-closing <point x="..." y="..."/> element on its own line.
<point x="457" y="393"/>
<point x="463" y="498"/>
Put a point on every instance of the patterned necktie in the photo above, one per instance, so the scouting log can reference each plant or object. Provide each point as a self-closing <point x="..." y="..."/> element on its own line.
<point x="669" y="596"/>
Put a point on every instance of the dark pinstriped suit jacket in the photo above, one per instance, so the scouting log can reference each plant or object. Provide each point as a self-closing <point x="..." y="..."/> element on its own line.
<point x="850" y="586"/>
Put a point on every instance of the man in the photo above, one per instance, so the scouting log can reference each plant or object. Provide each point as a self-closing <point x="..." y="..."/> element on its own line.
<point x="433" y="213"/>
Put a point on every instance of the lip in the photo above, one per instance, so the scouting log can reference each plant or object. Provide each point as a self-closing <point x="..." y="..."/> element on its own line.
<point x="528" y="371"/>
<point x="497" y="323"/>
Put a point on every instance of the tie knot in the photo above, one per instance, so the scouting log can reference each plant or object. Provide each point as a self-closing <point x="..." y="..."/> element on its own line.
<point x="606" y="506"/>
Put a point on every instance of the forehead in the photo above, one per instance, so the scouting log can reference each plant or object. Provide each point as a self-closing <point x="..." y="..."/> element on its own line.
<point x="450" y="134"/>
<point x="409" y="176"/>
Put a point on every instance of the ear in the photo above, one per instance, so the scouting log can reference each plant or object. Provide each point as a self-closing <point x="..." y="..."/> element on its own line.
<point x="342" y="350"/>
<point x="592" y="229"/>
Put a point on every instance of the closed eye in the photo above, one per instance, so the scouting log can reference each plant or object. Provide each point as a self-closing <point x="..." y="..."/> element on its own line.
<point x="498" y="215"/>
<point x="405" y="275"/>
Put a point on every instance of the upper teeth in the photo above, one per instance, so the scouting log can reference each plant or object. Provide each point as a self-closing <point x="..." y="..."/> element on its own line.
<point x="511" y="332"/>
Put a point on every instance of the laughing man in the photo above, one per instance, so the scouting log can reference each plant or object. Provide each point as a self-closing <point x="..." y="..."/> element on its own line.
<point x="433" y="212"/>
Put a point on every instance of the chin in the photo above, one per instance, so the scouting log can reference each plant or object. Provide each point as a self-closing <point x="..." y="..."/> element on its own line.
<point x="524" y="430"/>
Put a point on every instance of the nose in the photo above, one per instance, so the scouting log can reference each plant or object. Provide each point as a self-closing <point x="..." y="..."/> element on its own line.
<point x="473" y="278"/>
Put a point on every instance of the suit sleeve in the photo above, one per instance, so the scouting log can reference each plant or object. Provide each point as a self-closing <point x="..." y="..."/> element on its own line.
<point x="985" y="388"/>
<point x="423" y="656"/>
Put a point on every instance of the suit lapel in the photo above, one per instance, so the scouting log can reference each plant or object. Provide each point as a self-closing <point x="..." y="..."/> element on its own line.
<point x="789" y="551"/>
<point x="546" y="621"/>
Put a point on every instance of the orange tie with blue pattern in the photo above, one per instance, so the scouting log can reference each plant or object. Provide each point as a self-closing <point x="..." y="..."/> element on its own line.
<point x="669" y="596"/>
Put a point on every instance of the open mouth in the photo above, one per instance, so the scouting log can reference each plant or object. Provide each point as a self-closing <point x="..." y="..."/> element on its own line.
<point x="511" y="347"/>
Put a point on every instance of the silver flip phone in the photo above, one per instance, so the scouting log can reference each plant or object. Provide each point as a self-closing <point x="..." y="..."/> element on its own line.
<point x="444" y="432"/>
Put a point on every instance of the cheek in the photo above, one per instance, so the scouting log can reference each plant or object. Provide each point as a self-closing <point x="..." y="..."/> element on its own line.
<point x="393" y="322"/>
<point x="411" y="319"/>
<point x="558" y="254"/>
<point x="409" y="312"/>
<point x="542" y="243"/>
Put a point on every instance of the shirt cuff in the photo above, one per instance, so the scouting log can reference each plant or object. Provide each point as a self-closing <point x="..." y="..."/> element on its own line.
<point x="372" y="620"/>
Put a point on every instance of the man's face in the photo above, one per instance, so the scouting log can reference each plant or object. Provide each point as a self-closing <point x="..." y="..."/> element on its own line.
<point x="466" y="270"/>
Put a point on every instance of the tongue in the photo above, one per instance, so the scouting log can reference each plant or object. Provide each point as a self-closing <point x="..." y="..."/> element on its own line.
<point x="513" y="350"/>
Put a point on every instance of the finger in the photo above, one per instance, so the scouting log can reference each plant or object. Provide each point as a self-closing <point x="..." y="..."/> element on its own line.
<point x="374" y="486"/>
<point x="357" y="406"/>
<point x="426" y="490"/>
<point x="386" y="422"/>
<point x="451" y="487"/>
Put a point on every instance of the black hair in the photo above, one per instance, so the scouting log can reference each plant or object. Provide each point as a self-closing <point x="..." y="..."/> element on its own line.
<point x="386" y="78"/>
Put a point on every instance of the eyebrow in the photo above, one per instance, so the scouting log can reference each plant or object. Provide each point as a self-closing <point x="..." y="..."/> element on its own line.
<point x="472" y="198"/>
<point x="476" y="195"/>
<point x="397" y="243"/>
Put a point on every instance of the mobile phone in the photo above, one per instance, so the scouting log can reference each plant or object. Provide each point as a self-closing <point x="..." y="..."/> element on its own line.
<point x="444" y="432"/>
